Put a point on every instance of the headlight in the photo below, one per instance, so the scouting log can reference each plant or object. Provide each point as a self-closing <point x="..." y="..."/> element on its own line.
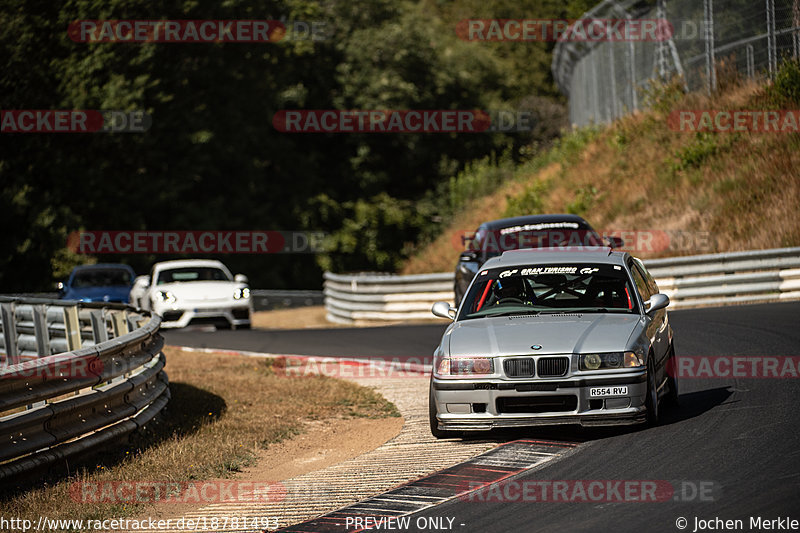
<point x="241" y="294"/>
<point x="610" y="361"/>
<point x="465" y="366"/>
<point x="167" y="297"/>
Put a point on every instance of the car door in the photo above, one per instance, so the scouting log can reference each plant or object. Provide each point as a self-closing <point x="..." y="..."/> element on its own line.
<point x="657" y="327"/>
<point x="663" y="332"/>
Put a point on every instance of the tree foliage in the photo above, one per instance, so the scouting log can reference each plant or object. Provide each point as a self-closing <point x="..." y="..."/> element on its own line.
<point x="212" y="159"/>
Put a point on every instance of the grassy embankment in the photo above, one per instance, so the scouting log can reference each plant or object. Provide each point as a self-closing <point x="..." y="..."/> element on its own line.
<point x="710" y="192"/>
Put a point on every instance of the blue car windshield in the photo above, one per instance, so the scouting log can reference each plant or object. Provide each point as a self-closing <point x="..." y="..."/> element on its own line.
<point x="534" y="289"/>
<point x="111" y="277"/>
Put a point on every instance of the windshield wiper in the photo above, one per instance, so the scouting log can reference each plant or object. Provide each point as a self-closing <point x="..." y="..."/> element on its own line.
<point x="506" y="313"/>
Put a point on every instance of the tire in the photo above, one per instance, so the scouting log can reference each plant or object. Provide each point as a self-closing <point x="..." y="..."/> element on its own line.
<point x="435" y="431"/>
<point x="651" y="401"/>
<point x="671" y="399"/>
<point x="244" y="326"/>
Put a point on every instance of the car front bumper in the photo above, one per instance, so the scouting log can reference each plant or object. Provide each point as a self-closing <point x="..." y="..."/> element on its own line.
<point x="476" y="405"/>
<point x="180" y="316"/>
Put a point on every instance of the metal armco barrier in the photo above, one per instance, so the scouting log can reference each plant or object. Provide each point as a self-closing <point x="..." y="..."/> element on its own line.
<point x="381" y="297"/>
<point x="73" y="378"/>
<point x="267" y="299"/>
<point x="735" y="277"/>
<point x="691" y="281"/>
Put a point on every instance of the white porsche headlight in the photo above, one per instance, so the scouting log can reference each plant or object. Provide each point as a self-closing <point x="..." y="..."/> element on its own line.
<point x="241" y="294"/>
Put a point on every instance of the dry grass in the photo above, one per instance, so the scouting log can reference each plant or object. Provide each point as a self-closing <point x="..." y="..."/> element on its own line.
<point x="728" y="192"/>
<point x="224" y="410"/>
<point x="299" y="318"/>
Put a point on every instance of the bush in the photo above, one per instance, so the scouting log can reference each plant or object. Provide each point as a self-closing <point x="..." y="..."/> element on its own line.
<point x="786" y="88"/>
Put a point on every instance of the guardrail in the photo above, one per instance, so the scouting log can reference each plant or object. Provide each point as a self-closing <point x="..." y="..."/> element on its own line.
<point x="691" y="281"/>
<point x="74" y="377"/>
<point x="269" y="299"/>
<point x="381" y="297"/>
<point x="735" y="277"/>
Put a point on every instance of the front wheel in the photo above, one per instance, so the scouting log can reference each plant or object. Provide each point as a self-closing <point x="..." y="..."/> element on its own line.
<point x="432" y="412"/>
<point x="651" y="402"/>
<point x="671" y="398"/>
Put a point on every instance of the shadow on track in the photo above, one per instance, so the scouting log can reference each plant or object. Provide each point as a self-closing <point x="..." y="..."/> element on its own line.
<point x="691" y="405"/>
<point x="187" y="411"/>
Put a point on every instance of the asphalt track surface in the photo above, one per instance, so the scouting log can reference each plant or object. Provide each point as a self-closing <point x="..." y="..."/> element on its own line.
<point x="739" y="439"/>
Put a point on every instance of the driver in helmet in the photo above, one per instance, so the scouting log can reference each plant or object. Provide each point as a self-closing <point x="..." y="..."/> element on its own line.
<point x="510" y="289"/>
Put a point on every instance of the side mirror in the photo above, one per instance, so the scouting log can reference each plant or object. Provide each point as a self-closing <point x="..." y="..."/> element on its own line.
<point x="443" y="310"/>
<point x="656" y="302"/>
<point x="240" y="278"/>
<point x="615" y="242"/>
<point x="468" y="256"/>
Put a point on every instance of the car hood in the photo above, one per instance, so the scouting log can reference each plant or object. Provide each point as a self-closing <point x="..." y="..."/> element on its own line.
<point x="201" y="290"/>
<point x="556" y="334"/>
<point x="114" y="293"/>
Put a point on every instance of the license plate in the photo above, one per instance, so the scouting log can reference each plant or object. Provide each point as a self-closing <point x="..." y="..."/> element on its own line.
<point x="214" y="310"/>
<point x="604" y="392"/>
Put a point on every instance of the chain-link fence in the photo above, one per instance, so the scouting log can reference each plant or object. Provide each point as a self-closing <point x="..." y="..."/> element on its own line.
<point x="703" y="41"/>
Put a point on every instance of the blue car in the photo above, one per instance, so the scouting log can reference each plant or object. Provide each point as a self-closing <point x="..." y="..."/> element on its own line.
<point x="108" y="282"/>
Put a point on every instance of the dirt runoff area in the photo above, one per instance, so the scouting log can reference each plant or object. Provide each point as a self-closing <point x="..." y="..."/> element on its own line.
<point x="313" y="317"/>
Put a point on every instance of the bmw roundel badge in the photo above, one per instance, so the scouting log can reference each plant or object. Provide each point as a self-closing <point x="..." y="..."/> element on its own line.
<point x="537" y="347"/>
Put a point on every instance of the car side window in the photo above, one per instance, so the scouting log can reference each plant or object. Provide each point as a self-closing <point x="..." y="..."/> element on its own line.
<point x="651" y="283"/>
<point x="641" y="284"/>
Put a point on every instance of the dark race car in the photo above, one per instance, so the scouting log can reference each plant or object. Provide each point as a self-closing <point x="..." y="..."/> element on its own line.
<point x="493" y="238"/>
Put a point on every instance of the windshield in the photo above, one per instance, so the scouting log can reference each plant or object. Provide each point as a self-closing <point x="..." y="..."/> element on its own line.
<point x="174" y="275"/>
<point x="101" y="278"/>
<point x="542" y="235"/>
<point x="534" y="289"/>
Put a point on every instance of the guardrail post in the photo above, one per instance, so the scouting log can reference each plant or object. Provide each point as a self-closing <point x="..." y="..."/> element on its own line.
<point x="40" y="330"/>
<point x="10" y="333"/>
<point x="119" y="323"/>
<point x="72" y="327"/>
<point x="99" y="331"/>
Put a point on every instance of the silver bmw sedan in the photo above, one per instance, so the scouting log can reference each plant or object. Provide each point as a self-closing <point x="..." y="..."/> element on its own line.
<point x="553" y="336"/>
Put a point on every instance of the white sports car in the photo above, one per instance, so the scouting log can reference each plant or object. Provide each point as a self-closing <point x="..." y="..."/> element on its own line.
<point x="194" y="291"/>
